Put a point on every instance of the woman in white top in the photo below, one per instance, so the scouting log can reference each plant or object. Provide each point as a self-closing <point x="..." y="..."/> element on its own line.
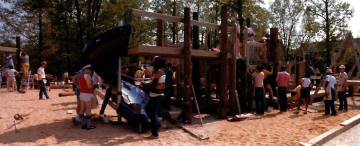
<point x="305" y="92"/>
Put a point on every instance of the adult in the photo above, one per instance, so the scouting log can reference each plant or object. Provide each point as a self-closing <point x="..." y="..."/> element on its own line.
<point x="156" y="87"/>
<point x="147" y="72"/>
<point x="75" y="81"/>
<point x="10" y="78"/>
<point x="25" y="64"/>
<point x="86" y="96"/>
<point x="108" y="95"/>
<point x="259" y="90"/>
<point x="305" y="92"/>
<point x="251" y="37"/>
<point x="266" y="81"/>
<point x="42" y="80"/>
<point x="342" y="83"/>
<point x="66" y="77"/>
<point x="8" y="59"/>
<point x="295" y="93"/>
<point x="329" y="97"/>
<point x="168" y="86"/>
<point x="283" y="78"/>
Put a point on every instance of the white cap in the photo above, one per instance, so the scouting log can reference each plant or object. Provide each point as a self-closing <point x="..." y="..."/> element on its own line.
<point x="342" y="66"/>
<point x="329" y="71"/>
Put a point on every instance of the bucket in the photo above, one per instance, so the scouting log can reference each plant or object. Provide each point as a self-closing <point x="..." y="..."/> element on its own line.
<point x="106" y="120"/>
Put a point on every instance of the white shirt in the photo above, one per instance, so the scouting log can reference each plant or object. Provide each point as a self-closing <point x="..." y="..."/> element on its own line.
<point x="331" y="79"/>
<point x="11" y="73"/>
<point x="250" y="31"/>
<point x="342" y="77"/>
<point x="41" y="72"/>
<point x="259" y="78"/>
<point x="305" y="82"/>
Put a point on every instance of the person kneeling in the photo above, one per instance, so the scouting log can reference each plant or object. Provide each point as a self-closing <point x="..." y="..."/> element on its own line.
<point x="86" y="96"/>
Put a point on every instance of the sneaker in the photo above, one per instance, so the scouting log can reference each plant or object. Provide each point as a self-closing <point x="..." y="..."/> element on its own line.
<point x="274" y="98"/>
<point x="152" y="137"/>
<point x="296" y="112"/>
<point x="91" y="127"/>
<point x="305" y="112"/>
<point x="75" y="121"/>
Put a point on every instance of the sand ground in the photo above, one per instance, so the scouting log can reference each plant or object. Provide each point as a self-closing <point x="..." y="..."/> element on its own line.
<point x="48" y="124"/>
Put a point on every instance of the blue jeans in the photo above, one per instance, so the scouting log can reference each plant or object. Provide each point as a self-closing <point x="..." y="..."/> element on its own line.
<point x="42" y="90"/>
<point x="282" y="98"/>
<point x="330" y="104"/>
<point x="343" y="100"/>
<point x="151" y="111"/>
<point x="260" y="100"/>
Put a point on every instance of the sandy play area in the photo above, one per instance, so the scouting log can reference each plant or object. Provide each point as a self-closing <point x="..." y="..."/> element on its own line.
<point x="48" y="124"/>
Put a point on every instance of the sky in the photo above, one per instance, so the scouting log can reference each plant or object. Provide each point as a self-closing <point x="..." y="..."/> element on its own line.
<point x="354" y="23"/>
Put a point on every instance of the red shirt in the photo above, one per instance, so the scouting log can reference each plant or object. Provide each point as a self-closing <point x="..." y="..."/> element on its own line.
<point x="83" y="85"/>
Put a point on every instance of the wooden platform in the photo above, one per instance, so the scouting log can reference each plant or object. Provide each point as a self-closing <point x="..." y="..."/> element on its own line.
<point x="174" y="52"/>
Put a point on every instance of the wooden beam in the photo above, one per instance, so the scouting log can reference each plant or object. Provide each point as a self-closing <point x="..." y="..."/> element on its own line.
<point x="173" y="52"/>
<point x="160" y="31"/>
<point x="8" y="49"/>
<point x="274" y="48"/>
<point x="255" y="44"/>
<point x="18" y="51"/>
<point x="187" y="106"/>
<point x="102" y="96"/>
<point x="195" y="62"/>
<point x="224" y="65"/>
<point x="137" y="12"/>
<point x="245" y="48"/>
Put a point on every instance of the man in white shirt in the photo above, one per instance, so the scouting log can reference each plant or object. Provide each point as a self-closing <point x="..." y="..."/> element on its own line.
<point x="342" y="83"/>
<point x="329" y="99"/>
<point x="42" y="80"/>
<point x="259" y="90"/>
<point x="10" y="78"/>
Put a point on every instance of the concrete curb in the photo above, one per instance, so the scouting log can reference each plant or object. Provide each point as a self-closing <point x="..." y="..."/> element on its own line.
<point x="325" y="137"/>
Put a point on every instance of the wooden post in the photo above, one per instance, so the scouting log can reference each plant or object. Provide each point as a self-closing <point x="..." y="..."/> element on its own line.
<point x="187" y="111"/>
<point x="208" y="43"/>
<point x="233" y="69"/>
<point x="18" y="51"/>
<point x="160" y="31"/>
<point x="274" y="48"/>
<point x="224" y="63"/>
<point x="195" y="62"/>
<point x="245" y="48"/>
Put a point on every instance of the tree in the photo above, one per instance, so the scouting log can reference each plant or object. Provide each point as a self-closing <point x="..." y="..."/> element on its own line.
<point x="332" y="16"/>
<point x="285" y="15"/>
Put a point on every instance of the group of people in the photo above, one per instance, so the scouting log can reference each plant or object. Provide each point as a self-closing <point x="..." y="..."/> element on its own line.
<point x="10" y="73"/>
<point x="301" y="92"/>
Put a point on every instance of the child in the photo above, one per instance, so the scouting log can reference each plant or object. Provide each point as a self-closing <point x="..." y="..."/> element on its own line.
<point x="296" y="92"/>
<point x="10" y="77"/>
<point x="266" y="81"/>
<point x="86" y="96"/>
<point x="305" y="92"/>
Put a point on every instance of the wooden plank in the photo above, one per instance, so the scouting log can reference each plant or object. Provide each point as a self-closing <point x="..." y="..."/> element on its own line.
<point x="224" y="63"/>
<point x="102" y="96"/>
<point x="205" y="24"/>
<point x="353" y="83"/>
<point x="274" y="48"/>
<point x="174" y="52"/>
<point x="137" y="12"/>
<point x="7" y="49"/>
<point x="187" y="106"/>
<point x="255" y="44"/>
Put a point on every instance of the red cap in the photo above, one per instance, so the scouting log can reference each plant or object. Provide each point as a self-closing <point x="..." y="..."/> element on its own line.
<point x="43" y="63"/>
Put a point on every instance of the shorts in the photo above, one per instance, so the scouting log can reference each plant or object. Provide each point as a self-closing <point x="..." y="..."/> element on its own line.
<point x="86" y="96"/>
<point x="305" y="93"/>
<point x="11" y="81"/>
<point x="25" y="65"/>
<point x="266" y="82"/>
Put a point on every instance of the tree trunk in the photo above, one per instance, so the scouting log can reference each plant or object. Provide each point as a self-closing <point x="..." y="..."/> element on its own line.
<point x="174" y="24"/>
<point x="80" y="29"/>
<point x="327" y="31"/>
<point x="98" y="6"/>
<point x="40" y="33"/>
